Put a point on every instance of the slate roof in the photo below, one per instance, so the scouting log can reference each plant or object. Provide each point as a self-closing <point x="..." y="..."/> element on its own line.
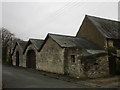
<point x="109" y="28"/>
<point x="71" y="41"/>
<point x="22" y="44"/>
<point x="36" y="42"/>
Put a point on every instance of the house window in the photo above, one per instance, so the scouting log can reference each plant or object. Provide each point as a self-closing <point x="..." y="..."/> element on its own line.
<point x="73" y="58"/>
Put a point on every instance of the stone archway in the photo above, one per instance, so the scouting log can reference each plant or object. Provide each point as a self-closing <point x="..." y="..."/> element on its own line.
<point x="17" y="58"/>
<point x="31" y="59"/>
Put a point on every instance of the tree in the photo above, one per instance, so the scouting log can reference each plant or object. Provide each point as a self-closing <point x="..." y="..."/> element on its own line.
<point x="7" y="38"/>
<point x="0" y="45"/>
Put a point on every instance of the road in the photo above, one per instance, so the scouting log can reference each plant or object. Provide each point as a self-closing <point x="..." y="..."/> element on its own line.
<point x="0" y="75"/>
<point x="14" y="77"/>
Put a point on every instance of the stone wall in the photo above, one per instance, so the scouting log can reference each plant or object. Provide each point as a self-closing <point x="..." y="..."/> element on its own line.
<point x="96" y="65"/>
<point x="51" y="57"/>
<point x="73" y="66"/>
<point x="90" y="32"/>
<point x="21" y="60"/>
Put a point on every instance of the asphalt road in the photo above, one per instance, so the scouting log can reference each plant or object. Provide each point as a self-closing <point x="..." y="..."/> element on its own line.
<point x="0" y="75"/>
<point x="14" y="77"/>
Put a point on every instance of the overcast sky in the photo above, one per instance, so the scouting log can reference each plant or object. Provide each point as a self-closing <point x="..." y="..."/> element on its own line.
<point x="37" y="19"/>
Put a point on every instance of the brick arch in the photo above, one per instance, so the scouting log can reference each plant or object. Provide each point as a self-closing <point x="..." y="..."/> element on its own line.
<point x="31" y="59"/>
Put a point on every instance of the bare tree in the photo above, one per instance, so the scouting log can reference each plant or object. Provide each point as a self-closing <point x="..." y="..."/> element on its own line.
<point x="7" y="38"/>
<point x="0" y="44"/>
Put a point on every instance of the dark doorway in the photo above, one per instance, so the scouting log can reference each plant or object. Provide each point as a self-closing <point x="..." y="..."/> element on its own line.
<point x="17" y="58"/>
<point x="31" y="59"/>
<point x="112" y="65"/>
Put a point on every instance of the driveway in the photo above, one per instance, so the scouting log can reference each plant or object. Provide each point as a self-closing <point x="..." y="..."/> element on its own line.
<point x="15" y="77"/>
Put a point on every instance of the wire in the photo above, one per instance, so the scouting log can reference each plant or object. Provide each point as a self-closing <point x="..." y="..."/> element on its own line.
<point x="57" y="13"/>
<point x="76" y="4"/>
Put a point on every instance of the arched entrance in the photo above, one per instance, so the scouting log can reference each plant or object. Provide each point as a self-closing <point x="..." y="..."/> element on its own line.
<point x="31" y="59"/>
<point x="17" y="58"/>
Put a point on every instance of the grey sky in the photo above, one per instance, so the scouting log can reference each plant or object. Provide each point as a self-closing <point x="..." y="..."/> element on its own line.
<point x="0" y="14"/>
<point x="36" y="19"/>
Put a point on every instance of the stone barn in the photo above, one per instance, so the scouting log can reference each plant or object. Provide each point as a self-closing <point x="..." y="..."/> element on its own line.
<point x="17" y="54"/>
<point x="63" y="55"/>
<point x="103" y="32"/>
<point x="31" y="52"/>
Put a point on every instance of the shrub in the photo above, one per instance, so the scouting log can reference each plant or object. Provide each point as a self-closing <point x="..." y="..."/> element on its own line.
<point x="112" y="50"/>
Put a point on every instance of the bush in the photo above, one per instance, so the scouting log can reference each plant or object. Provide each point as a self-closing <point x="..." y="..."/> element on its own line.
<point x="112" y="50"/>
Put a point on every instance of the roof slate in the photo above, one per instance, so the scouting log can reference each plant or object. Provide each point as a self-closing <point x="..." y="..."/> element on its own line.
<point x="109" y="28"/>
<point x="71" y="41"/>
<point x="37" y="42"/>
<point x="22" y="44"/>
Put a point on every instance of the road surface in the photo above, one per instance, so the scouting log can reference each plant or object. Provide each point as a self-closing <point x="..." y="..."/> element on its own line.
<point x="14" y="77"/>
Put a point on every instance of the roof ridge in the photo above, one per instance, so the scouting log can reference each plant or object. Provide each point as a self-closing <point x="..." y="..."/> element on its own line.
<point x="35" y="39"/>
<point x="108" y="28"/>
<point x="62" y="40"/>
<point x="21" y="41"/>
<point x="89" y="16"/>
<point x="61" y="35"/>
<point x="69" y="36"/>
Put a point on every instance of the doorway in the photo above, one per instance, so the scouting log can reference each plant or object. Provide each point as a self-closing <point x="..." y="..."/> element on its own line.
<point x="17" y="58"/>
<point x="31" y="59"/>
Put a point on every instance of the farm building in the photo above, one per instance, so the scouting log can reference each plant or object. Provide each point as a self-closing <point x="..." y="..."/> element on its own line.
<point x="17" y="54"/>
<point x="63" y="55"/>
<point x="105" y="33"/>
<point x="85" y="55"/>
